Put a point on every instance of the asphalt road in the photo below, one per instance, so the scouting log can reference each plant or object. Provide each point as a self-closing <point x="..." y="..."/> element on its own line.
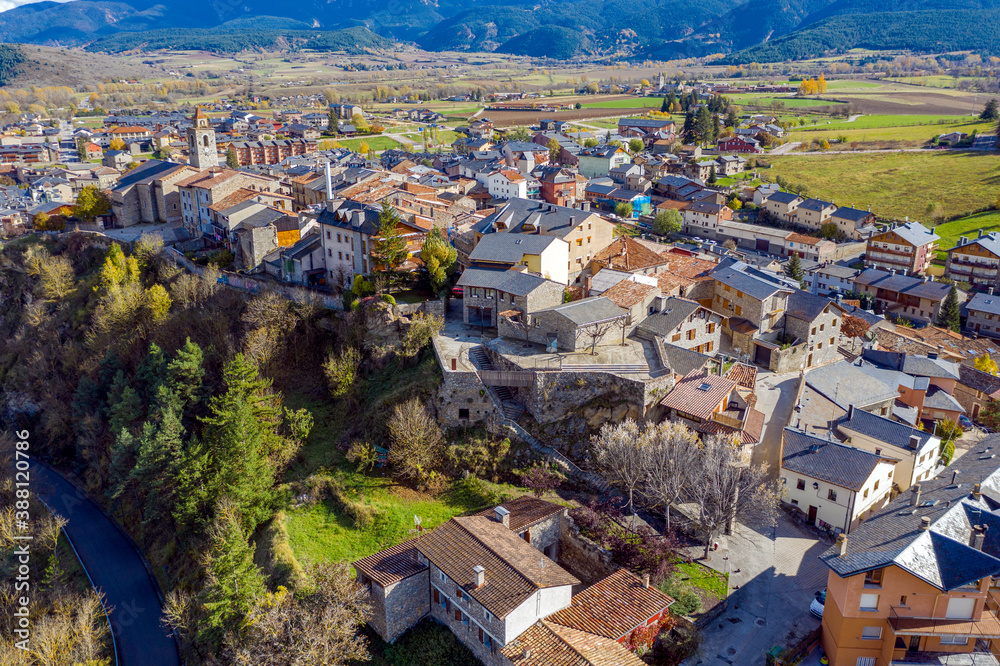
<point x="116" y="569"/>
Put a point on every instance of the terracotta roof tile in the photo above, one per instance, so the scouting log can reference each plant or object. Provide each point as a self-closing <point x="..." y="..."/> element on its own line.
<point x="550" y="644"/>
<point x="392" y="564"/>
<point x="625" y="254"/>
<point x="627" y="293"/>
<point x="744" y="375"/>
<point x="613" y="607"/>
<point x="699" y="394"/>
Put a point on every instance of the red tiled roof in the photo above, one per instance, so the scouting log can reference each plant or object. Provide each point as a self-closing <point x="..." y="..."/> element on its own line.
<point x="699" y="394"/>
<point x="625" y="254"/>
<point x="753" y="427"/>
<point x="549" y="644"/>
<point x="627" y="293"/>
<point x="613" y="607"/>
<point x="392" y="564"/>
<point x="744" y="375"/>
<point x="525" y="510"/>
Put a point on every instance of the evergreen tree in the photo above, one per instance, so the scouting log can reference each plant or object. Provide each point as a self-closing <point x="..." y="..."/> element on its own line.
<point x="991" y="111"/>
<point x="688" y="131"/>
<point x="125" y="406"/>
<point x="665" y="107"/>
<point x="793" y="268"/>
<point x="731" y="119"/>
<point x="948" y="317"/>
<point x="184" y="374"/>
<point x="389" y="251"/>
<point x="157" y="459"/>
<point x="151" y="373"/>
<point x="703" y="125"/>
<point x="712" y="177"/>
<point x="191" y="502"/>
<point x="716" y="129"/>
<point x="232" y="160"/>
<point x="234" y="582"/>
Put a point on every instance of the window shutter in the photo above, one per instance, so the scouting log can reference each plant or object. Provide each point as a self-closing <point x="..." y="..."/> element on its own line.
<point x="480" y="635"/>
<point x="458" y="615"/>
<point x="437" y="597"/>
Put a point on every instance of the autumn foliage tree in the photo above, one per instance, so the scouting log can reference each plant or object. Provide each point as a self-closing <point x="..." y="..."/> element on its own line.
<point x="854" y="327"/>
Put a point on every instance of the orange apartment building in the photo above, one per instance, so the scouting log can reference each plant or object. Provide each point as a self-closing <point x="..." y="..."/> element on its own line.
<point x="919" y="581"/>
<point x="271" y="151"/>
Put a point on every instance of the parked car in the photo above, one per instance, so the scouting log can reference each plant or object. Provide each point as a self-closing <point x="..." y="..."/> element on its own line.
<point x="456" y="292"/>
<point x="817" y="605"/>
<point x="964" y="421"/>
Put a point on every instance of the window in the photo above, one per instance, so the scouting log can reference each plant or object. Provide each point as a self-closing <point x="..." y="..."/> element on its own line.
<point x="438" y="599"/>
<point x="960" y="608"/>
<point x="954" y="640"/>
<point x="831" y="341"/>
<point x="328" y="235"/>
<point x="869" y="602"/>
<point x="442" y="576"/>
<point x="813" y="332"/>
<point x="463" y="413"/>
<point x="870" y="634"/>
<point x="822" y="326"/>
<point x="708" y="346"/>
<point x="485" y="639"/>
<point x="874" y="577"/>
<point x="676" y="337"/>
<point x="801" y="485"/>
<point x="338" y="237"/>
<point x="831" y="495"/>
<point x="866" y="494"/>
<point x="739" y="310"/>
<point x="458" y="593"/>
<point x="488" y="615"/>
<point x="875" y="487"/>
<point x="340" y="255"/>
<point x="691" y="334"/>
<point x="579" y="242"/>
<point x="902" y="601"/>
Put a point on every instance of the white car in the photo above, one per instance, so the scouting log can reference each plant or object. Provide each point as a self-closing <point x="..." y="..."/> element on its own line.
<point x="816" y="607"/>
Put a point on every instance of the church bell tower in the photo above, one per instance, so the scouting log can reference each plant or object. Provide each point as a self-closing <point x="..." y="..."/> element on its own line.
<point x="201" y="142"/>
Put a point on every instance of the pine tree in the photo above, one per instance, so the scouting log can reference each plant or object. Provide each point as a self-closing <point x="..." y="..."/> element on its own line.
<point x="184" y="374"/>
<point x="948" y="317"/>
<point x="233" y="580"/>
<point x="703" y="125"/>
<point x="151" y="373"/>
<point x="793" y="268"/>
<point x="157" y="459"/>
<point x="688" y="131"/>
<point x="232" y="160"/>
<point x="991" y="111"/>
<point x="712" y="177"/>
<point x="389" y="246"/>
<point x="125" y="406"/>
<point x="665" y="106"/>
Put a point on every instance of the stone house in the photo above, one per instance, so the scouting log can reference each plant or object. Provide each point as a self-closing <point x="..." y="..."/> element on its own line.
<point x="925" y="383"/>
<point x="570" y="326"/>
<point x="149" y="194"/>
<point x="639" y="299"/>
<point x="684" y="324"/>
<point x="205" y="188"/>
<point x="815" y="321"/>
<point x="975" y="261"/>
<point x="901" y="295"/>
<point x="489" y="291"/>
<point x="906" y="249"/>
<point x="716" y="405"/>
<point x="493" y="580"/>
<point x="975" y="389"/>
<point x="628" y="255"/>
<point x="833" y="485"/>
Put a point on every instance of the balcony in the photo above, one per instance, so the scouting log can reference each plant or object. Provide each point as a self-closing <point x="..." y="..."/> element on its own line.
<point x="987" y="626"/>
<point x="732" y="417"/>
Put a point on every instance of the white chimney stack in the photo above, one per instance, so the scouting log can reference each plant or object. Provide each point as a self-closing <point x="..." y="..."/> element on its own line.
<point x="480" y="575"/>
<point x="503" y="516"/>
<point x="329" y="182"/>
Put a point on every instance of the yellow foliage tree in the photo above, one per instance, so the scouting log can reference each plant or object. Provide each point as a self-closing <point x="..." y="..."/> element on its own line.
<point x="364" y="148"/>
<point x="986" y="364"/>
<point x="116" y="144"/>
<point x="821" y="84"/>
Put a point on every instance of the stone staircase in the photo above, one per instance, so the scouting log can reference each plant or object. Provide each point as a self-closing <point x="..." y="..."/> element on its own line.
<point x="502" y="395"/>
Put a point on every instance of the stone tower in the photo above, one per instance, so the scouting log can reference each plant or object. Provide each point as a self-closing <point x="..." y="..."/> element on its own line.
<point x="201" y="142"/>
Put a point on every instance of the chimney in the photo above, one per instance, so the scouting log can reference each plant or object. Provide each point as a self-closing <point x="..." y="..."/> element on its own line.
<point x="980" y="233"/>
<point x="841" y="544"/>
<point x="990" y="291"/>
<point x="925" y="523"/>
<point x="645" y="581"/>
<point x="850" y="412"/>
<point x="977" y="491"/>
<point x="358" y="218"/>
<point x="526" y="652"/>
<point x="915" y="494"/>
<point x="329" y="182"/>
<point x="954" y="477"/>
<point x="480" y="574"/>
<point x="502" y="516"/>
<point x="914" y="442"/>
<point x="978" y="536"/>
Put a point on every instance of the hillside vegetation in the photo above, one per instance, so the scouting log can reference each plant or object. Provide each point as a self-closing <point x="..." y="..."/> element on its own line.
<point x="239" y="36"/>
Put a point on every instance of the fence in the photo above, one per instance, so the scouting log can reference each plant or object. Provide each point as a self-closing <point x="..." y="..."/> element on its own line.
<point x="255" y="285"/>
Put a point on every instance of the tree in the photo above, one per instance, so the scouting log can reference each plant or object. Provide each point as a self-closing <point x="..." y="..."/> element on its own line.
<point x="829" y="231"/>
<point x="81" y="149"/>
<point x="116" y="144"/>
<point x="56" y="277"/>
<point x="712" y="177"/>
<point x="91" y="203"/>
<point x="618" y="457"/>
<point x="519" y="134"/>
<point x="554" y="149"/>
<point x="853" y="327"/>
<point x="364" y="148"/>
<point x="158" y="302"/>
<point x="667" y="222"/>
<point x="232" y="160"/>
<point x="669" y="457"/>
<point x="416" y="442"/>
<point x="989" y="416"/>
<point x="623" y="210"/>
<point x="730" y="245"/>
<point x="439" y="257"/>
<point x="793" y="268"/>
<point x="665" y="106"/>
<point x="318" y="623"/>
<point x="948" y="317"/>
<point x="821" y="84"/>
<point x="389" y="246"/>
<point x="991" y="111"/>
<point x="540" y="480"/>
<point x="234" y="583"/>
<point x="727" y="489"/>
<point x="986" y="364"/>
<point x="594" y="333"/>
<point x="341" y="371"/>
<point x="635" y="145"/>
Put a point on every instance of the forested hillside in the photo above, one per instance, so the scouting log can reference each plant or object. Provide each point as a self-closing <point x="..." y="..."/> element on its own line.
<point x="241" y="36"/>
<point x="11" y="59"/>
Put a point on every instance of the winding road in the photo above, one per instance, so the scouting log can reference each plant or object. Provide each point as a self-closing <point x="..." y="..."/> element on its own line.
<point x="131" y="595"/>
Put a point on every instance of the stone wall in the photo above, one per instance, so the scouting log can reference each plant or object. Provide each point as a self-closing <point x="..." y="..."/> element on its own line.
<point x="789" y="360"/>
<point x="582" y="557"/>
<point x="436" y="307"/>
<point x="398" y="607"/>
<point x="546" y="534"/>
<point x="462" y="391"/>
<point x="468" y="635"/>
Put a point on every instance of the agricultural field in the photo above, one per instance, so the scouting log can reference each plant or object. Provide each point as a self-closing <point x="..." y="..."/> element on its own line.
<point x="897" y="184"/>
<point x="912" y="135"/>
<point x="376" y="143"/>
<point x="627" y="103"/>
<point x="766" y="100"/>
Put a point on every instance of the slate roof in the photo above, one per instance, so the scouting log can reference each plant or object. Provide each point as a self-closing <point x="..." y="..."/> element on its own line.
<point x="885" y="430"/>
<point x="784" y="197"/>
<point x="613" y="607"/>
<point x="983" y="302"/>
<point x="913" y="233"/>
<point x="148" y="171"/>
<point x="550" y="219"/>
<point x="749" y="284"/>
<point x="817" y="205"/>
<point x="979" y="380"/>
<point x="806" y="306"/>
<point x="843" y="384"/>
<point x="833" y="462"/>
<point x="989" y="242"/>
<point x="369" y="226"/>
<point x="644" y="122"/>
<point x="683" y="361"/>
<point x="606" y="278"/>
<point x="699" y="394"/>
<point x="589" y="310"/>
<point x="873" y="277"/>
<point x="549" y="644"/>
<point x="525" y="511"/>
<point x="940" y="399"/>
<point x="514" y="569"/>
<point x="510" y="248"/>
<point x="675" y="311"/>
<point x="392" y="564"/>
<point x="912" y="364"/>
<point x="852" y="214"/>
<point x="940" y="555"/>
<point x="509" y="281"/>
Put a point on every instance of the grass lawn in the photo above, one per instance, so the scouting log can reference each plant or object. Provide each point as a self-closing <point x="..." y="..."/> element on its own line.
<point x="768" y="100"/>
<point x="698" y="575"/>
<point x="966" y="226"/>
<point x="374" y="142"/>
<point x="897" y="184"/>
<point x="743" y="178"/>
<point x="911" y="133"/>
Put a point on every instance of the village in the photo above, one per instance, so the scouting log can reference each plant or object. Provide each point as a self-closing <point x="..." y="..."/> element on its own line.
<point x="587" y="278"/>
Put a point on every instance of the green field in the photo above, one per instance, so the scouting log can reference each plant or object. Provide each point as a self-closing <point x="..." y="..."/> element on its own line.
<point x="880" y="121"/>
<point x="967" y="226"/>
<point x="631" y="103"/>
<point x="376" y="143"/>
<point x="768" y="100"/>
<point x="897" y="184"/>
<point x="912" y="133"/>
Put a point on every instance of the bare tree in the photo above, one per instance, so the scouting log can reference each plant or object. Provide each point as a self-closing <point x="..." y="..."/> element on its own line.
<point x="622" y="323"/>
<point x="617" y="455"/>
<point x="416" y="441"/>
<point x="671" y="454"/>
<point x="593" y="333"/>
<point x="727" y="489"/>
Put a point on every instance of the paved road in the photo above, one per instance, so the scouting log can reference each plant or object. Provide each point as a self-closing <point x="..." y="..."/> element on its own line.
<point x="776" y="399"/>
<point x="116" y="569"/>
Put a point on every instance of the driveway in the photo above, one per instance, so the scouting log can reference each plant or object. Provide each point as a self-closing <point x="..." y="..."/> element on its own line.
<point x="131" y="596"/>
<point x="776" y="399"/>
<point x="773" y="573"/>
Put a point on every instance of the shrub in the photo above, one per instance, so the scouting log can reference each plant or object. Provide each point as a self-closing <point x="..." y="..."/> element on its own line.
<point x="389" y="298"/>
<point x="948" y="452"/>
<point x="686" y="601"/>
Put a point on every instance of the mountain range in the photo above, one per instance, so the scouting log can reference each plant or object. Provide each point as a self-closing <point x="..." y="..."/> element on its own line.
<point x="747" y="30"/>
